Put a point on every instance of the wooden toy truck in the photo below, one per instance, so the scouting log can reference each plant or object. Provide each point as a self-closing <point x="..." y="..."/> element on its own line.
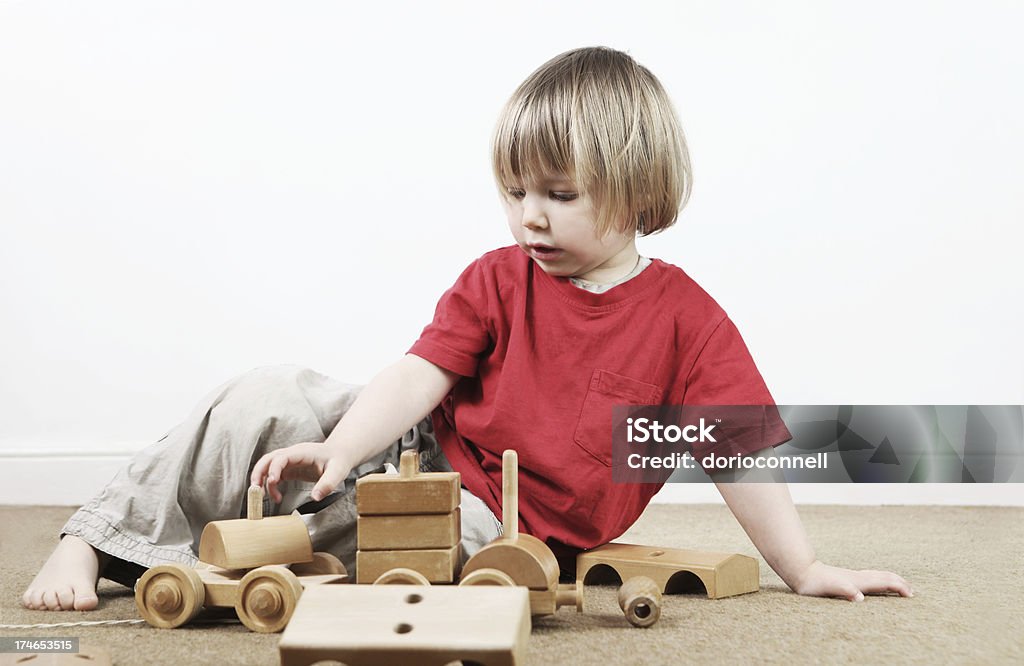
<point x="258" y="566"/>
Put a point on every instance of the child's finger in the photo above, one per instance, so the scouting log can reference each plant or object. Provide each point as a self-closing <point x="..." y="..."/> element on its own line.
<point x="850" y="592"/>
<point x="879" y="582"/>
<point x="259" y="470"/>
<point x="331" y="478"/>
<point x="278" y="464"/>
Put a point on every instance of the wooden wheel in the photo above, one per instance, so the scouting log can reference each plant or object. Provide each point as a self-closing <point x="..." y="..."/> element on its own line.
<point x="323" y="563"/>
<point x="401" y="576"/>
<point x="169" y="595"/>
<point x="266" y="598"/>
<point x="640" y="601"/>
<point x="487" y="577"/>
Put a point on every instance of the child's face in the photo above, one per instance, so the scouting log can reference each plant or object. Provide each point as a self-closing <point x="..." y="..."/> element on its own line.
<point x="555" y="224"/>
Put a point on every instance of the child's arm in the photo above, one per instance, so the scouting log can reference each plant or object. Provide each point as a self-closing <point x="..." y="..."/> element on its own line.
<point x="394" y="401"/>
<point x="767" y="515"/>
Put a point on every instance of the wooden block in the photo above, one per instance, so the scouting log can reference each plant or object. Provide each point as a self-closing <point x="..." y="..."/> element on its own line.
<point x="244" y="544"/>
<point x="398" y="624"/>
<point x="428" y="492"/>
<point x="408" y="492"/>
<point x="439" y="566"/>
<point x="221" y="586"/>
<point x="87" y="655"/>
<point x="410" y="532"/>
<point x="546" y="602"/>
<point x="723" y="574"/>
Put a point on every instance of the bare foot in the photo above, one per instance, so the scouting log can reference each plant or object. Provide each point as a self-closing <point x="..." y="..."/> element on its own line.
<point x="68" y="579"/>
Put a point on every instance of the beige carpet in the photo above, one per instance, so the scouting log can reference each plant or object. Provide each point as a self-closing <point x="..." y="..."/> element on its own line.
<point x="966" y="566"/>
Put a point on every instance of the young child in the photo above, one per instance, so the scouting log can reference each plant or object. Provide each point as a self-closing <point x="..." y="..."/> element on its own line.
<point x="529" y="350"/>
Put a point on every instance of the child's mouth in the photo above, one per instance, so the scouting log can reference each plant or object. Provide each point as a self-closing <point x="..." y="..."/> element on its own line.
<point x="544" y="253"/>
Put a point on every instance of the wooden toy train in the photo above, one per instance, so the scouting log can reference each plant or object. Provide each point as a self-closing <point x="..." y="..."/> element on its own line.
<point x="409" y="534"/>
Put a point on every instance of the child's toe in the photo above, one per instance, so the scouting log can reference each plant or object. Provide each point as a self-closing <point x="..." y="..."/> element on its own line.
<point x="65" y="597"/>
<point x="28" y="600"/>
<point x="85" y="599"/>
<point x="50" y="601"/>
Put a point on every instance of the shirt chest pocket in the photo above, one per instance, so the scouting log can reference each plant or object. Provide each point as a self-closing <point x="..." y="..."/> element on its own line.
<point x="606" y="390"/>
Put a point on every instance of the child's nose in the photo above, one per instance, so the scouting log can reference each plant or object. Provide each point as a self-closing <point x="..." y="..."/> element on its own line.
<point x="534" y="217"/>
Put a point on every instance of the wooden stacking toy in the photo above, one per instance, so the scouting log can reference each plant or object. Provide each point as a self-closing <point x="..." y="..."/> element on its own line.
<point x="409" y="526"/>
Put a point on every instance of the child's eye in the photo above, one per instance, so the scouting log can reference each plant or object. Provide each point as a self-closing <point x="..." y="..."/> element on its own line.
<point x="564" y="196"/>
<point x="515" y="194"/>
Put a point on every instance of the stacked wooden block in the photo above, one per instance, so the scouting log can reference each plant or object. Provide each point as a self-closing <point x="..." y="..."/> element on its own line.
<point x="408" y="521"/>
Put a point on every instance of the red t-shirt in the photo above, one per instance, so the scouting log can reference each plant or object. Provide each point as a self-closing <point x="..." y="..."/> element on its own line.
<point x="543" y="361"/>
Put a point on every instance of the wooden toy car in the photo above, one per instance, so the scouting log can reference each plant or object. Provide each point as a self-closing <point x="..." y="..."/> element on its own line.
<point x="258" y="566"/>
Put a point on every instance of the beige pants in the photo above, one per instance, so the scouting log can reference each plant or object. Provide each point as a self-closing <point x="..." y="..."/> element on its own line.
<point x="155" y="508"/>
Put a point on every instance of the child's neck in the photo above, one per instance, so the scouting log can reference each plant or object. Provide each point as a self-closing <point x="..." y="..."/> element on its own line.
<point x="615" y="268"/>
<point x="600" y="288"/>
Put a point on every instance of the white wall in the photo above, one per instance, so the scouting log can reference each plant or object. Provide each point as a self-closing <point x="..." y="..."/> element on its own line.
<point x="189" y="190"/>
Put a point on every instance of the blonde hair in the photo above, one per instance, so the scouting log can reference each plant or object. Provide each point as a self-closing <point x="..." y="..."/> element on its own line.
<point x="603" y="120"/>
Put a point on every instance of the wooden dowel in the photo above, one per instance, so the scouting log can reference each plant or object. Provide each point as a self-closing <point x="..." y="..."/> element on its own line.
<point x="254" y="503"/>
<point x="510" y="494"/>
<point x="408" y="464"/>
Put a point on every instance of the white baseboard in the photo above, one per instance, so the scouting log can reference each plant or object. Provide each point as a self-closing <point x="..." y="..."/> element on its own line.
<point x="55" y="479"/>
<point x="71" y="480"/>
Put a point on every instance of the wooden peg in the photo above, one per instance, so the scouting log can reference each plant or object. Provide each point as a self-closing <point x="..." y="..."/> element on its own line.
<point x="510" y="494"/>
<point x="408" y="464"/>
<point x="254" y="506"/>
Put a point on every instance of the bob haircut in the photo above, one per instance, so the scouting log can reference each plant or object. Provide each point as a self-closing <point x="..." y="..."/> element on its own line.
<point x="605" y="122"/>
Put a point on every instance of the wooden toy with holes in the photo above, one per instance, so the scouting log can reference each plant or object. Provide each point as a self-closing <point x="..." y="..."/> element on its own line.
<point x="258" y="566"/>
<point x="409" y="526"/>
<point x="380" y="625"/>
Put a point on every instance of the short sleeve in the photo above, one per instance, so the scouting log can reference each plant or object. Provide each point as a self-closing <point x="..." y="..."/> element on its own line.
<point x="725" y="374"/>
<point x="457" y="336"/>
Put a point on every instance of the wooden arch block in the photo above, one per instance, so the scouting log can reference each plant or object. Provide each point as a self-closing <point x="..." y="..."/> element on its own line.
<point x="723" y="574"/>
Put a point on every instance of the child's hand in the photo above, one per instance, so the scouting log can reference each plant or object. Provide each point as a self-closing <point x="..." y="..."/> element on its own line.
<point x="822" y="580"/>
<point x="308" y="461"/>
